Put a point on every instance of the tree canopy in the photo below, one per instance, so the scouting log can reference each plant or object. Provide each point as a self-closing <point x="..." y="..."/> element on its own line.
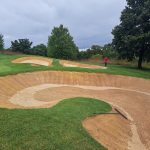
<point x="1" y="42"/>
<point x="94" y="50"/>
<point x="132" y="36"/>
<point x="21" y="45"/>
<point x="61" y="44"/>
<point x="40" y="49"/>
<point x="109" y="51"/>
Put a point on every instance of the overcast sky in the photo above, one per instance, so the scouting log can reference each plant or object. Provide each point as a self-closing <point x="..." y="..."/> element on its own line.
<point x="89" y="21"/>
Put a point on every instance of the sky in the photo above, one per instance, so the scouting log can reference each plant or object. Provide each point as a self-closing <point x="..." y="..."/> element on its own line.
<point x="89" y="21"/>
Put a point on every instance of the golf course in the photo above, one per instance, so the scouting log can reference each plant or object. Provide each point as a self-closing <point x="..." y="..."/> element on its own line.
<point x="48" y="105"/>
<point x="75" y="75"/>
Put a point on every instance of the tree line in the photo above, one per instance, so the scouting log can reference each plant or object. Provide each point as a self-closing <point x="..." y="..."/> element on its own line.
<point x="131" y="39"/>
<point x="60" y="45"/>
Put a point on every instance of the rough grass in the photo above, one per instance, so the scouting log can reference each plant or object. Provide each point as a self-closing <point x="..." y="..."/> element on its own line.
<point x="57" y="128"/>
<point x="6" y="68"/>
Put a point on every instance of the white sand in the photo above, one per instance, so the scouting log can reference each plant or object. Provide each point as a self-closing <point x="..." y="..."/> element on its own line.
<point x="69" y="65"/>
<point x="37" y="62"/>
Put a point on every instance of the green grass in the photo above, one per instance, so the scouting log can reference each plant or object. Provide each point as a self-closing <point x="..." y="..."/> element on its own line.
<point x="7" y="68"/>
<point x="57" y="128"/>
<point x="126" y="70"/>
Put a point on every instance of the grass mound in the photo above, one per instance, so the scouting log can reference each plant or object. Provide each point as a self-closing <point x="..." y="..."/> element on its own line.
<point x="59" y="127"/>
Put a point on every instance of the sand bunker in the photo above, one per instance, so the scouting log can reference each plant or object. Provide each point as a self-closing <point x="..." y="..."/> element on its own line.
<point x="45" y="89"/>
<point x="103" y="126"/>
<point x="114" y="125"/>
<point x="34" y="60"/>
<point x="66" y="63"/>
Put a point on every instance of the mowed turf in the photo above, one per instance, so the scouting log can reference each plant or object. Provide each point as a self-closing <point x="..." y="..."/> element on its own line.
<point x="7" y="68"/>
<point x="56" y="128"/>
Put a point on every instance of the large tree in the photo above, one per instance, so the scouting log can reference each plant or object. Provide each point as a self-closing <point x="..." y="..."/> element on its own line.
<point x="132" y="36"/>
<point x="1" y="42"/>
<point x="61" y="44"/>
<point x="109" y="51"/>
<point x="21" y="45"/>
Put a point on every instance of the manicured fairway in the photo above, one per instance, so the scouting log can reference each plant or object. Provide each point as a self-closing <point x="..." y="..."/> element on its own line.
<point x="59" y="127"/>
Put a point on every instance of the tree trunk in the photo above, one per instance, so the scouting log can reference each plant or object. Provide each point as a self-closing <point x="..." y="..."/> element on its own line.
<point x="140" y="59"/>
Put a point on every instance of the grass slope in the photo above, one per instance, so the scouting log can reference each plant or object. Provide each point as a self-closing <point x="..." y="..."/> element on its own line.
<point x="57" y="128"/>
<point x="7" y="68"/>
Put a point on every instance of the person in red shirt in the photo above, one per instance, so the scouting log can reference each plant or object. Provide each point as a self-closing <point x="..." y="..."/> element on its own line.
<point x="106" y="60"/>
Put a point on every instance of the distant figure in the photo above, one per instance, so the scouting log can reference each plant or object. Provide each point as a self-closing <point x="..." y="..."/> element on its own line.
<point x="106" y="60"/>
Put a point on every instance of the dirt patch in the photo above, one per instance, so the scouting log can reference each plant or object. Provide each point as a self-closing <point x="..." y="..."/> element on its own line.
<point x="66" y="63"/>
<point x="34" y="61"/>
